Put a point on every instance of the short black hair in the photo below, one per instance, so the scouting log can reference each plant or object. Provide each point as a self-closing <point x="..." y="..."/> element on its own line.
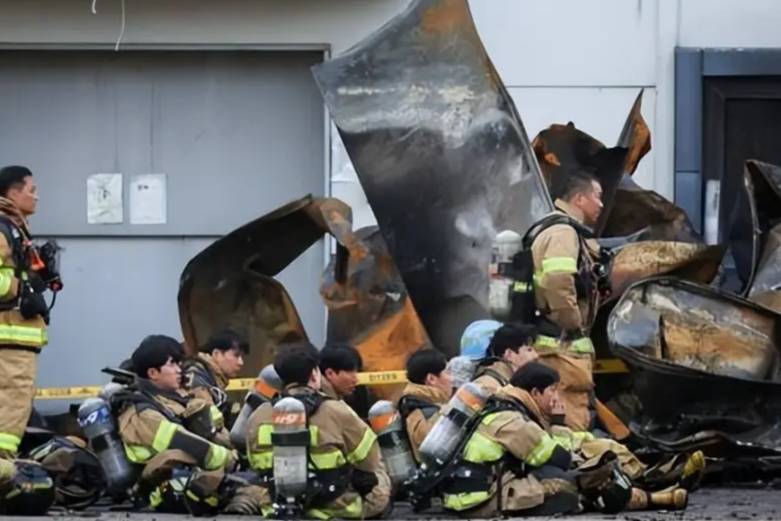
<point x="511" y="336"/>
<point x="153" y="352"/>
<point x="566" y="184"/>
<point x="295" y="362"/>
<point x="225" y="340"/>
<point x="340" y="357"/>
<point x="534" y="375"/>
<point x="12" y="177"/>
<point x="423" y="363"/>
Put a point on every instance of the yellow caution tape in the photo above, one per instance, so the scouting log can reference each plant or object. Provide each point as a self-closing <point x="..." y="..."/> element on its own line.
<point x="603" y="366"/>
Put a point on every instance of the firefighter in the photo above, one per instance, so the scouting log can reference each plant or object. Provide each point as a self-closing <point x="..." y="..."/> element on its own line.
<point x="207" y="375"/>
<point x="347" y="478"/>
<point x="170" y="433"/>
<point x="429" y="388"/>
<point x="566" y="293"/>
<point x="514" y="463"/>
<point x="509" y="348"/>
<point x="24" y="313"/>
<point x="339" y="366"/>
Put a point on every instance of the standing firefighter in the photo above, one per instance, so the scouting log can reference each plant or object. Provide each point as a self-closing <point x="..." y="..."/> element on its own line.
<point x="23" y="310"/>
<point x="346" y="476"/>
<point x="566" y="290"/>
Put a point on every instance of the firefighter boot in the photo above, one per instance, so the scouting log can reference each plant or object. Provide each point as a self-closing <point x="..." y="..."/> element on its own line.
<point x="671" y="499"/>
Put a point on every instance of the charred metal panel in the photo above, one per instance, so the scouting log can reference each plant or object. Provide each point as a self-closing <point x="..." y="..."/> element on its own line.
<point x="698" y="355"/>
<point x="635" y="136"/>
<point x="441" y="153"/>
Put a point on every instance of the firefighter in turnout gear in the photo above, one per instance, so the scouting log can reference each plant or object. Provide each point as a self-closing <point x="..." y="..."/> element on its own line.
<point x="429" y="388"/>
<point x="24" y="313"/>
<point x="566" y="290"/>
<point x="206" y="375"/>
<point x="509" y="349"/>
<point x="516" y="463"/>
<point x="171" y="434"/>
<point x="347" y="477"/>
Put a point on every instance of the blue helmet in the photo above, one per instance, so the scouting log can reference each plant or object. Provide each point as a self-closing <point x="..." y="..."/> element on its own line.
<point x="476" y="337"/>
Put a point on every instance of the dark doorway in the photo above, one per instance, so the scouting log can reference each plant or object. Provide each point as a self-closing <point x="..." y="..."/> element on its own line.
<point x="741" y="120"/>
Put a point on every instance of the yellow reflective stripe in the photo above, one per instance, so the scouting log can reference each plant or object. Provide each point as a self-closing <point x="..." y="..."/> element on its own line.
<point x="137" y="453"/>
<point x="559" y="264"/>
<point x="464" y="500"/>
<point x="23" y="334"/>
<point x="482" y="449"/>
<point x="165" y="432"/>
<point x="582" y="345"/>
<point x="267" y="511"/>
<point x="9" y="442"/>
<point x="314" y="435"/>
<point x="542" y="452"/>
<point x="563" y="440"/>
<point x="264" y="434"/>
<point x="217" y="457"/>
<point x="361" y="452"/>
<point x="327" y="460"/>
<point x="261" y="460"/>
<point x="155" y="498"/>
<point x="6" y="279"/>
<point x="522" y="287"/>
<point x="546" y="342"/>
<point x="216" y="416"/>
<point x="353" y="510"/>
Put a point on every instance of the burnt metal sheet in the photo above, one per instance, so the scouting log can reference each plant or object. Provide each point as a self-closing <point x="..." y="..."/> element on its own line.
<point x="756" y="212"/>
<point x="636" y="261"/>
<point x="635" y="136"/>
<point x="441" y="153"/>
<point x="368" y="305"/>
<point x="635" y="209"/>
<point x="231" y="284"/>
<point x="699" y="357"/>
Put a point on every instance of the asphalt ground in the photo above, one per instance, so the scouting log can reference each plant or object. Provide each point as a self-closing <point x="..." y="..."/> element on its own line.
<point x="708" y="504"/>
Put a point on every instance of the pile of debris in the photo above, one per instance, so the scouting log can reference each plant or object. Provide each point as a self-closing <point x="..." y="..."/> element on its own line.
<point x="445" y="163"/>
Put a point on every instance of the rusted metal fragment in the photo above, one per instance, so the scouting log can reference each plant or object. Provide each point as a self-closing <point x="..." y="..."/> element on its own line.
<point x="635" y="136"/>
<point x="756" y="212"/>
<point x="645" y="259"/>
<point x="441" y="154"/>
<point x="368" y="305"/>
<point x="698" y="354"/>
<point x="636" y="209"/>
<point x="231" y="284"/>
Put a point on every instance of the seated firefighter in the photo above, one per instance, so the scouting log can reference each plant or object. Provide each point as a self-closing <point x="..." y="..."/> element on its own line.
<point x="429" y="388"/>
<point x="170" y="433"/>
<point x="207" y="374"/>
<point x="517" y="463"/>
<point x="509" y="349"/>
<point x="339" y="366"/>
<point x="346" y="475"/>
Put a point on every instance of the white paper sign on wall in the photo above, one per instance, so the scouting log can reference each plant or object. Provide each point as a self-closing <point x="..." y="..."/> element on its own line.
<point x="148" y="199"/>
<point x="104" y="199"/>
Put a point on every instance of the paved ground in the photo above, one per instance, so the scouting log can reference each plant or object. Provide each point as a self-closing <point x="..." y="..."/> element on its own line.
<point x="705" y="505"/>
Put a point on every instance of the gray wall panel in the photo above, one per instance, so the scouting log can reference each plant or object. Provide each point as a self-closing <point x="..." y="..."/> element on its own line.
<point x="119" y="290"/>
<point x="237" y="133"/>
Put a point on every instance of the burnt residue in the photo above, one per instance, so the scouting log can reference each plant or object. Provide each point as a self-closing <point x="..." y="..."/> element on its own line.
<point x="441" y="154"/>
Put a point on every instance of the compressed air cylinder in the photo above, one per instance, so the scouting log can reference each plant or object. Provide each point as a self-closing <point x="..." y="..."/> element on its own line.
<point x="290" y="445"/>
<point x="388" y="425"/>
<point x="506" y="244"/>
<point x="267" y="384"/>
<point x="98" y="424"/>
<point x="440" y="444"/>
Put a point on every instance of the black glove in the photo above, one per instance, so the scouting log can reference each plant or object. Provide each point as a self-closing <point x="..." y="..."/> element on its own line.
<point x="363" y="482"/>
<point x="32" y="303"/>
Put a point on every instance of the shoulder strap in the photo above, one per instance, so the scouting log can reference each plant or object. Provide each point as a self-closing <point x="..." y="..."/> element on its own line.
<point x="142" y="401"/>
<point x="199" y="374"/>
<point x="552" y="220"/>
<point x="312" y="401"/>
<point x="14" y="238"/>
<point x="409" y="404"/>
